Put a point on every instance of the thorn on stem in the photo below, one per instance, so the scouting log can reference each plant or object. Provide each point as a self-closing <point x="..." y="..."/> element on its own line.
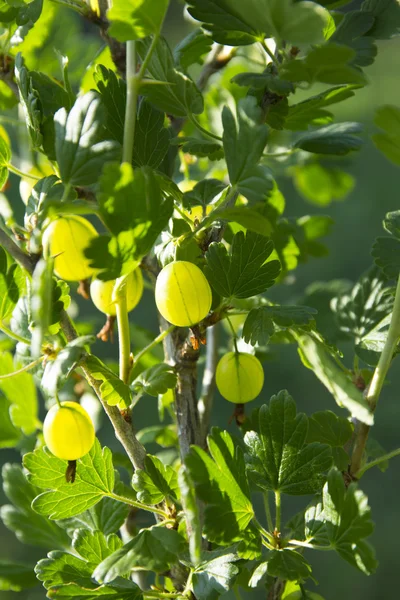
<point x="107" y="331"/>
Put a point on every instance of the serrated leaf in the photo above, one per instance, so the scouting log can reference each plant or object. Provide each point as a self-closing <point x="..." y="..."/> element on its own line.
<point x="29" y="527"/>
<point x="236" y="25"/>
<point x="388" y="118"/>
<point x="192" y="48"/>
<point x="288" y="564"/>
<point x="57" y="371"/>
<point x="328" y="428"/>
<point x="259" y="324"/>
<point x="12" y="288"/>
<point x="244" y="272"/>
<point x="21" y="393"/>
<point x="94" y="480"/>
<point x="353" y="31"/>
<point x="135" y="19"/>
<point x="81" y="149"/>
<point x="280" y="458"/>
<point x="335" y="380"/>
<point x="113" y="390"/>
<point x="265" y="80"/>
<point x="107" y="516"/>
<point x="348" y="521"/>
<point x="201" y="148"/>
<point x="322" y="184"/>
<point x="44" y="198"/>
<point x="154" y="549"/>
<point x="179" y="96"/>
<point x="16" y="577"/>
<point x="333" y="139"/>
<point x="387" y="18"/>
<point x="246" y="217"/>
<point x="152" y="139"/>
<point x="156" y="482"/>
<point x="311" y="110"/>
<point x="221" y="482"/>
<point x="155" y="380"/>
<point x="112" y="90"/>
<point x="203" y="192"/>
<point x="386" y="253"/>
<point x="120" y="589"/>
<point x="215" y="575"/>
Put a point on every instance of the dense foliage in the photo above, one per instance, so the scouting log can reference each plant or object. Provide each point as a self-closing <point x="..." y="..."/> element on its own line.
<point x="155" y="167"/>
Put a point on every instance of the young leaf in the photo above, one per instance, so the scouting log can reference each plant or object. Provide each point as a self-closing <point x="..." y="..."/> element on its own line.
<point x="388" y="118"/>
<point x="320" y="184"/>
<point x="312" y="110"/>
<point x="246" y="217"/>
<point x="288" y="564"/>
<point x="12" y="287"/>
<point x="135" y="19"/>
<point x="112" y="90"/>
<point x="178" y="94"/>
<point x="344" y="391"/>
<point x="203" y="192"/>
<point x="155" y="380"/>
<point x="387" y="18"/>
<point x="29" y="527"/>
<point x="112" y="390"/>
<point x="156" y="482"/>
<point x="81" y="149"/>
<point x="5" y="157"/>
<point x="57" y="371"/>
<point x="16" y="577"/>
<point x="280" y="458"/>
<point x="21" y="393"/>
<point x="236" y="25"/>
<point x="152" y="139"/>
<point x="192" y="48"/>
<point x="244" y="272"/>
<point x="222" y="484"/>
<point x="215" y="575"/>
<point x="94" y="480"/>
<point x="260" y="322"/>
<point x="153" y="549"/>
<point x="386" y="253"/>
<point x="199" y="147"/>
<point x="333" y="139"/>
<point x="348" y="521"/>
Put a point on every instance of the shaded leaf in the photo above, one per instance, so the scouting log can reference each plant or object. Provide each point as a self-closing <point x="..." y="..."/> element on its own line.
<point x="333" y="139"/>
<point x="156" y="482"/>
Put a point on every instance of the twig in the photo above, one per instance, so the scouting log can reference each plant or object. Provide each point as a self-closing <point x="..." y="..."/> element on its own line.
<point x="28" y="261"/>
<point x="377" y="461"/>
<point x="208" y="384"/>
<point x="376" y="384"/>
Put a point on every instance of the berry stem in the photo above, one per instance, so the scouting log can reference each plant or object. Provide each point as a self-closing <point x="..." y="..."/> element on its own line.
<point x="31" y="365"/>
<point x="234" y="336"/>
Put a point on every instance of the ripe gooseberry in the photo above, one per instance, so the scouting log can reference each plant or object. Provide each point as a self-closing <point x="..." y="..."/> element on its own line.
<point x="66" y="239"/>
<point x="183" y="294"/>
<point x="239" y="377"/>
<point x="68" y="431"/>
<point x="101" y="293"/>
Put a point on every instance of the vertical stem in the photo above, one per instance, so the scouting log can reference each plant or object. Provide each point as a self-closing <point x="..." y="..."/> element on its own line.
<point x="119" y="296"/>
<point x="208" y="384"/>
<point x="268" y="511"/>
<point x="131" y="102"/>
<point x="377" y="381"/>
<point x="278" y="511"/>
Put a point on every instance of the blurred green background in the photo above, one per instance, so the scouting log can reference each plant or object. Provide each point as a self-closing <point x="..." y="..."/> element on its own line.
<point x="357" y="223"/>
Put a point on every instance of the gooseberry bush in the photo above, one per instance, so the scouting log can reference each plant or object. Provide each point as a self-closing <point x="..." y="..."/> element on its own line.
<point x="155" y="166"/>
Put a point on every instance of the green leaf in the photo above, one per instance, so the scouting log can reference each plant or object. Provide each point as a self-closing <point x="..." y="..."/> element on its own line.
<point x="29" y="527"/>
<point x="386" y="253"/>
<point x="235" y="25"/>
<point x="333" y="139"/>
<point x="5" y="157"/>
<point x="94" y="480"/>
<point x="328" y="428"/>
<point x="9" y="435"/>
<point x="156" y="482"/>
<point x="259" y="324"/>
<point x="135" y="19"/>
<point x="12" y="288"/>
<point x="133" y="209"/>
<point x="203" y="192"/>
<point x="352" y="32"/>
<point x="21" y="393"/>
<point x="312" y="110"/>
<point x="155" y="380"/>
<point x="215" y="575"/>
<point x="152" y="139"/>
<point x="120" y="589"/>
<point x="246" y="217"/>
<point x="112" y="390"/>
<point x="321" y="185"/>
<point x="178" y="94"/>
<point x="164" y="435"/>
<point x="221" y="483"/>
<point x="388" y="118"/>
<point x="330" y="63"/>
<point x="41" y="303"/>
<point x="112" y="90"/>
<point x="345" y="393"/>
<point x="201" y="148"/>
<point x="387" y="18"/>
<point x="348" y="521"/>
<point x="244" y="138"/>
<point x="192" y="48"/>
<point x="392" y="223"/>
<point x="81" y="149"/>
<point x="265" y="80"/>
<point x="62" y="568"/>
<point x="44" y="199"/>
<point x="244" y="272"/>
<point x="57" y="371"/>
<point x="107" y="516"/>
<point x="280" y="458"/>
<point x="16" y="577"/>
<point x="153" y="549"/>
<point x="288" y="564"/>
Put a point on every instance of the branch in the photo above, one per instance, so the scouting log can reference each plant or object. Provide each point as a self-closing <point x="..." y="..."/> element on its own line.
<point x="375" y="387"/>
<point x="123" y="430"/>
<point x="208" y="385"/>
